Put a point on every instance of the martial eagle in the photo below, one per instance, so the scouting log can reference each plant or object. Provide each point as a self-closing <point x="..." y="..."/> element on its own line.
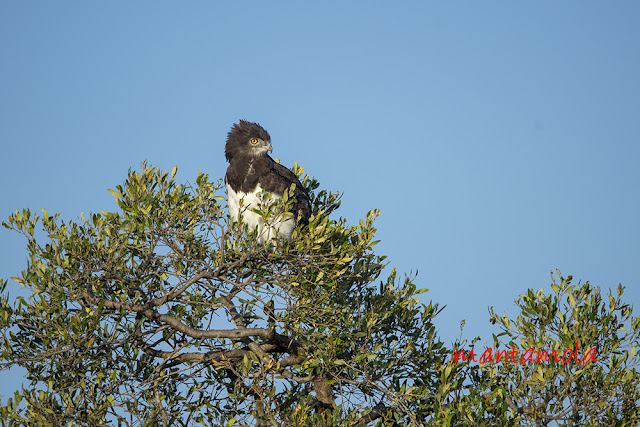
<point x="252" y="174"/>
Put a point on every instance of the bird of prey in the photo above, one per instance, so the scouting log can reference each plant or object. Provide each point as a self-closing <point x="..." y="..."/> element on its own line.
<point x="253" y="173"/>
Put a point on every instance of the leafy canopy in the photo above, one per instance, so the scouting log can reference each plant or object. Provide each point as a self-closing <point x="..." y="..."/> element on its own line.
<point x="166" y="312"/>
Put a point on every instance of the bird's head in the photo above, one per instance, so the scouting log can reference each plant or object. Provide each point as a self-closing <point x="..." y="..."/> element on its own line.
<point x="247" y="138"/>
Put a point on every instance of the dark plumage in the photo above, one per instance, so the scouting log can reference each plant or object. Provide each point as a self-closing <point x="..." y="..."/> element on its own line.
<point x="251" y="171"/>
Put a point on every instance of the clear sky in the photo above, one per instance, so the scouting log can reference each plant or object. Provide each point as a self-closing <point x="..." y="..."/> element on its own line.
<point x="500" y="140"/>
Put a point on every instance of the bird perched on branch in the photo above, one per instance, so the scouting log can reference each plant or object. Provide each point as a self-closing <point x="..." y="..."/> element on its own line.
<point x="251" y="174"/>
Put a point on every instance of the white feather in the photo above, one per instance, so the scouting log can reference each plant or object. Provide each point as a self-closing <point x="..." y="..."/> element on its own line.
<point x="280" y="225"/>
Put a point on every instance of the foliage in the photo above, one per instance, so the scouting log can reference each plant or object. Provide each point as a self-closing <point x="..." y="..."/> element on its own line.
<point x="165" y="312"/>
<point x="591" y="380"/>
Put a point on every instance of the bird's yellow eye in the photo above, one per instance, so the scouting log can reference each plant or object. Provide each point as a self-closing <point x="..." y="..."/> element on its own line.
<point x="254" y="141"/>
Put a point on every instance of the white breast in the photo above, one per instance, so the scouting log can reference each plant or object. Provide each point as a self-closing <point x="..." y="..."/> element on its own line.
<point x="280" y="225"/>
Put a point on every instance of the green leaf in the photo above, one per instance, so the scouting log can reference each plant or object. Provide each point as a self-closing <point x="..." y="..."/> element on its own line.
<point x="116" y="194"/>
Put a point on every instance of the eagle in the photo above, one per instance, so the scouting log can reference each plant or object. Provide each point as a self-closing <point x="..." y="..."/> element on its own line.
<point x="252" y="174"/>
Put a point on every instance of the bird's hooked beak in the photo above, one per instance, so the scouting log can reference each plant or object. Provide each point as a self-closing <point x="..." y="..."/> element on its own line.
<point x="269" y="147"/>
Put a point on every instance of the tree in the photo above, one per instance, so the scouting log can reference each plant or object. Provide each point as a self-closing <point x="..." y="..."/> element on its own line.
<point x="166" y="313"/>
<point x="592" y="377"/>
<point x="568" y="359"/>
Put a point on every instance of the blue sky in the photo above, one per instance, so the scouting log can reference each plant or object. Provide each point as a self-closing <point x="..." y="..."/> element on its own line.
<point x="500" y="140"/>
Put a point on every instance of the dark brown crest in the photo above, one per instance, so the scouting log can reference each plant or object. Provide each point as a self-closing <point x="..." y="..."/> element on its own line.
<point x="240" y="134"/>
